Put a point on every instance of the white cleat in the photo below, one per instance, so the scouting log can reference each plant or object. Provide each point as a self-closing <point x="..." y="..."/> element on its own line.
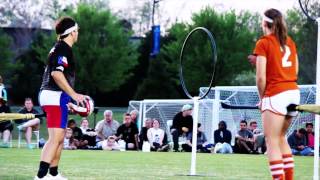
<point x="57" y="177"/>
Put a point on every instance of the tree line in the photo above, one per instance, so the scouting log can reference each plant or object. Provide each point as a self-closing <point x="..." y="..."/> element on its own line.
<point x="114" y="68"/>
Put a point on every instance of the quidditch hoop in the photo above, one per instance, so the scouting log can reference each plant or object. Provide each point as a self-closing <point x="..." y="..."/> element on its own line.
<point x="214" y="60"/>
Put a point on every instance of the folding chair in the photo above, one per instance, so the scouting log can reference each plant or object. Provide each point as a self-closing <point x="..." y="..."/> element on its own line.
<point x="36" y="133"/>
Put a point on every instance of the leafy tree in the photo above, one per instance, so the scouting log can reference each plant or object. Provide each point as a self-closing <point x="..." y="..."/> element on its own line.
<point x="234" y="38"/>
<point x="157" y="84"/>
<point x="104" y="54"/>
<point x="5" y="55"/>
<point x="6" y="66"/>
<point x="246" y="78"/>
<point x="304" y="31"/>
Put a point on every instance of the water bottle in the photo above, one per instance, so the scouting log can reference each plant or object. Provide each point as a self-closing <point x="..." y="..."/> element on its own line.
<point x="146" y="146"/>
<point x="122" y="145"/>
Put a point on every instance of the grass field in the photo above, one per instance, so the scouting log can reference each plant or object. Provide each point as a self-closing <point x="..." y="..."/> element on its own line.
<point x="16" y="164"/>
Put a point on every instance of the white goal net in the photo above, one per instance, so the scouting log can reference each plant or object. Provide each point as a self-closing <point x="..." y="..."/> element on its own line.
<point x="248" y="96"/>
<point x="211" y="112"/>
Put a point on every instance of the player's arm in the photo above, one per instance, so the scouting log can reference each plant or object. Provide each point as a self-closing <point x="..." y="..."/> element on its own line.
<point x="297" y="65"/>
<point x="98" y="129"/>
<point x="261" y="65"/>
<point x="62" y="82"/>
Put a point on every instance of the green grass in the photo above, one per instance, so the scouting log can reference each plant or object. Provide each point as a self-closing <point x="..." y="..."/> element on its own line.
<point x="16" y="164"/>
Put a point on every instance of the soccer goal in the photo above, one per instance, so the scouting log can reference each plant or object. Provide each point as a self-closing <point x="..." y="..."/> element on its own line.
<point x="211" y="112"/>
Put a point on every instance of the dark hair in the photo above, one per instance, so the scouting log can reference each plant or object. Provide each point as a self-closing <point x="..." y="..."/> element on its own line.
<point x="71" y="121"/>
<point x="309" y="124"/>
<point x="223" y="123"/>
<point x="199" y="125"/>
<point x="63" y="24"/>
<point x="302" y="131"/>
<point x="278" y="25"/>
<point x="244" y="121"/>
<point x="28" y="99"/>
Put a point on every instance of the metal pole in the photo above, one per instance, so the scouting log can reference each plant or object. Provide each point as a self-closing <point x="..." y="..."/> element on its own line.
<point x="153" y="6"/>
<point x="317" y="128"/>
<point x="194" y="136"/>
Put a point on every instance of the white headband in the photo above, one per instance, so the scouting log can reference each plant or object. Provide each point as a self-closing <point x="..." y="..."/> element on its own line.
<point x="266" y="18"/>
<point x="67" y="31"/>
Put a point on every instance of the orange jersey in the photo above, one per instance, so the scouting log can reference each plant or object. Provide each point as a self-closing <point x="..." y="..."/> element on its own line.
<point x="281" y="73"/>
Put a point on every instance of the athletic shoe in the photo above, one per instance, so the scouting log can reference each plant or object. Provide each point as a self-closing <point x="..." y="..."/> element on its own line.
<point x="57" y="177"/>
<point x="30" y="146"/>
<point x="44" y="178"/>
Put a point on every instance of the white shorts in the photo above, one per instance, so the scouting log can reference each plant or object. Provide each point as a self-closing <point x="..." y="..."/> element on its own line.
<point x="279" y="102"/>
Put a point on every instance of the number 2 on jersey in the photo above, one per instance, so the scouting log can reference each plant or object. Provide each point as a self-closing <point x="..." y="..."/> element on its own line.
<point x="285" y="59"/>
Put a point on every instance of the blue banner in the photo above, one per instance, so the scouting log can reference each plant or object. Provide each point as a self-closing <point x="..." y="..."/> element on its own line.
<point x="155" y="40"/>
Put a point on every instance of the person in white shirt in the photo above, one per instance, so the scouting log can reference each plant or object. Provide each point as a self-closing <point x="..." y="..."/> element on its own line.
<point x="155" y="135"/>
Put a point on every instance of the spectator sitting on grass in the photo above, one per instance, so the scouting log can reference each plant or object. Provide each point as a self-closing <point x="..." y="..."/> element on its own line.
<point x="68" y="142"/>
<point x="128" y="132"/>
<point x="202" y="144"/>
<point x="88" y="133"/>
<point x="298" y="143"/>
<point x="143" y="136"/>
<point x="77" y="135"/>
<point x="181" y="125"/>
<point x="310" y="135"/>
<point x="258" y="137"/>
<point x="106" y="127"/>
<point x="110" y="144"/>
<point x="244" y="139"/>
<point x="155" y="136"/>
<point x="222" y="139"/>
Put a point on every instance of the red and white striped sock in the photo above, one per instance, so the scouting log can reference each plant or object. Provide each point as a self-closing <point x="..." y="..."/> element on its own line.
<point x="288" y="166"/>
<point x="276" y="168"/>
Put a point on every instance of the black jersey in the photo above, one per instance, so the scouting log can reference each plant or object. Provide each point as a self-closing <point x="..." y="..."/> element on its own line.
<point x="60" y="59"/>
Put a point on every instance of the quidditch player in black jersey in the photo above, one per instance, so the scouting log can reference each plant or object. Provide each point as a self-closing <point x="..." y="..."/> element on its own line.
<point x="55" y="93"/>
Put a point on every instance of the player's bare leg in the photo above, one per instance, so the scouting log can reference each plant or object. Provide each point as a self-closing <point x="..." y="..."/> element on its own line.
<point x="286" y="151"/>
<point x="273" y="126"/>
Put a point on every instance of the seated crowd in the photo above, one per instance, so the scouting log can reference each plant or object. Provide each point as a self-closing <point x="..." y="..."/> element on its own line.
<point x="110" y="135"/>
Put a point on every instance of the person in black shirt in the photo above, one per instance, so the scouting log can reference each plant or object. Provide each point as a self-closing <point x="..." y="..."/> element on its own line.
<point x="57" y="89"/>
<point x="222" y="139"/>
<point x="128" y="132"/>
<point x="77" y="134"/>
<point x="5" y="126"/>
<point x="144" y="130"/>
<point x="28" y="125"/>
<point x="182" y="124"/>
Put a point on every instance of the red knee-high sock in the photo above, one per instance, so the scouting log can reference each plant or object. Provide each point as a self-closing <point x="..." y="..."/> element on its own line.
<point x="276" y="168"/>
<point x="288" y="167"/>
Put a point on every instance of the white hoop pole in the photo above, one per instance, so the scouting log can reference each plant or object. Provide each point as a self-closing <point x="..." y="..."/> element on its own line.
<point x="194" y="136"/>
<point x="317" y="119"/>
